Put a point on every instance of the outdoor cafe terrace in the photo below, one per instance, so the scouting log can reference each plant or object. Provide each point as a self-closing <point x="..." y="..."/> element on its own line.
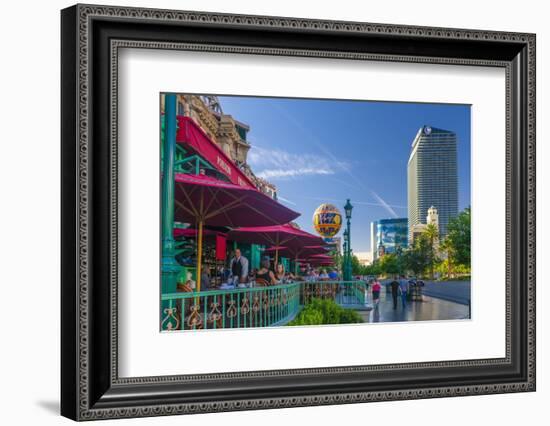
<point x="204" y="190"/>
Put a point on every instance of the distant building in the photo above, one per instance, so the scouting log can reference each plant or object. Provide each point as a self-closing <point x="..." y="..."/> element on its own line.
<point x="387" y="235"/>
<point x="432" y="178"/>
<point x="432" y="218"/>
<point x="364" y="257"/>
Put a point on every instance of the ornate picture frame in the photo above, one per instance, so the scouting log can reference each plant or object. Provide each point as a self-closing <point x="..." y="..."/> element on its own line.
<point x="90" y="39"/>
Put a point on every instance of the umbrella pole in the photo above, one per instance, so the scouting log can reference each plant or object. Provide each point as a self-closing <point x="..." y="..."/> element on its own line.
<point x="199" y="257"/>
<point x="276" y="259"/>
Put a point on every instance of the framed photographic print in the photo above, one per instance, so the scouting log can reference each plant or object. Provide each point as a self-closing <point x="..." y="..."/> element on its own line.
<point x="263" y="212"/>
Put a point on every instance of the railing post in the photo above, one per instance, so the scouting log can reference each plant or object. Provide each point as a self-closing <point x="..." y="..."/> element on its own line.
<point x="170" y="268"/>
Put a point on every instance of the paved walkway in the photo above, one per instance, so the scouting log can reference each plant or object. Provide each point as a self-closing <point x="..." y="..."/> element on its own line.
<point x="429" y="309"/>
<point x="454" y="291"/>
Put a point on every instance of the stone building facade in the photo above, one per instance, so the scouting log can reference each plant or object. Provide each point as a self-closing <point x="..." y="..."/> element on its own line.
<point x="229" y="133"/>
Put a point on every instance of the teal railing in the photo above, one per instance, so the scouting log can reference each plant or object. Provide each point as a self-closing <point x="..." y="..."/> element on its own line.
<point x="253" y="307"/>
<point x="348" y="294"/>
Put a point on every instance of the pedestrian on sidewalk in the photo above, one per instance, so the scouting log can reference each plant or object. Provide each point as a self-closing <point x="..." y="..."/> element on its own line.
<point x="403" y="290"/>
<point x="376" y="292"/>
<point x="394" y="292"/>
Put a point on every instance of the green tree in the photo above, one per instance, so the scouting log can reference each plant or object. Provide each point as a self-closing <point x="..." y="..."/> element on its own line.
<point x="372" y="269"/>
<point x="459" y="238"/>
<point x="447" y="265"/>
<point x="356" y="267"/>
<point x="432" y="235"/>
<point x="418" y="257"/>
<point x="389" y="264"/>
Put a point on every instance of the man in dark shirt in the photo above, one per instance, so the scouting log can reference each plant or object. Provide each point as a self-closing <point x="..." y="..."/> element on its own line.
<point x="394" y="292"/>
<point x="239" y="266"/>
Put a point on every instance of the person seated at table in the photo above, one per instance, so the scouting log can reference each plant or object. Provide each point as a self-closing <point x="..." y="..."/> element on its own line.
<point x="205" y="279"/>
<point x="312" y="275"/>
<point x="282" y="275"/>
<point x="333" y="275"/>
<point x="323" y="275"/>
<point x="186" y="285"/>
<point x="265" y="276"/>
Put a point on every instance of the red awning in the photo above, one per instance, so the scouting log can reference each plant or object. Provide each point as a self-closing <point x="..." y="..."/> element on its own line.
<point x="193" y="137"/>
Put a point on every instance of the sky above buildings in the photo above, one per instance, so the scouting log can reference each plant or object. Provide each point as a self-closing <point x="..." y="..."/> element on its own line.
<point x="325" y="151"/>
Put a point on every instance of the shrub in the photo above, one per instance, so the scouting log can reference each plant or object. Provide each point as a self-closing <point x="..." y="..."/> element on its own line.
<point x="325" y="311"/>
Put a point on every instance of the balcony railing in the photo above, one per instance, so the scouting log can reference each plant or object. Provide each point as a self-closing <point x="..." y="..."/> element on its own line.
<point x="253" y="307"/>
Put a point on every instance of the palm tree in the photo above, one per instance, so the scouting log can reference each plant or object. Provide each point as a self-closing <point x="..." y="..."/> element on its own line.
<point x="447" y="246"/>
<point x="432" y="234"/>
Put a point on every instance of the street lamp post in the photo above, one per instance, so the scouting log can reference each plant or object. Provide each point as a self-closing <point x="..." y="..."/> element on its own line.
<point x="170" y="268"/>
<point x="345" y="256"/>
<point x="348" y="209"/>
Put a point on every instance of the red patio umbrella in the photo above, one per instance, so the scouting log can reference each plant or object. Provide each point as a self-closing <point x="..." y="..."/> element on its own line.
<point x="321" y="262"/>
<point x="193" y="233"/>
<point x="321" y="259"/>
<point x="277" y="236"/>
<point x="296" y="251"/>
<point x="321" y="256"/>
<point x="203" y="200"/>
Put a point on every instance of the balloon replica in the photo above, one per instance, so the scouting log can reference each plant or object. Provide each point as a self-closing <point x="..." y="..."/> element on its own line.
<point x="327" y="220"/>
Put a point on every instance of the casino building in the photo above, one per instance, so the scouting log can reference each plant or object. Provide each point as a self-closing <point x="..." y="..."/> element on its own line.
<point x="432" y="178"/>
<point x="228" y="133"/>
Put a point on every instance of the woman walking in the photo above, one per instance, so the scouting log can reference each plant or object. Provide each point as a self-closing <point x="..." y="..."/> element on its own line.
<point x="376" y="292"/>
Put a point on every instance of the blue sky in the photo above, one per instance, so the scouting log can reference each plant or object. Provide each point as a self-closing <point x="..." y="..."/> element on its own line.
<point x="318" y="151"/>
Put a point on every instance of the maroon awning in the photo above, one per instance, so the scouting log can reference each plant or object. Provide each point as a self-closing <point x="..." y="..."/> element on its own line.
<point x="193" y="137"/>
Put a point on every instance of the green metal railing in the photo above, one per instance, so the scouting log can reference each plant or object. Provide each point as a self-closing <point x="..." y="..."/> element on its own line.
<point x="253" y="307"/>
<point x="238" y="308"/>
<point x="345" y="293"/>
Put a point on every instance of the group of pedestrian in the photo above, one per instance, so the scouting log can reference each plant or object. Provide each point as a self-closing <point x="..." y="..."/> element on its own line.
<point x="400" y="287"/>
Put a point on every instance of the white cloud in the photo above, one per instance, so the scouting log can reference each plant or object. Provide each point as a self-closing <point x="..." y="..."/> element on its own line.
<point x="285" y="200"/>
<point x="383" y="203"/>
<point x="279" y="164"/>
<point x="288" y="173"/>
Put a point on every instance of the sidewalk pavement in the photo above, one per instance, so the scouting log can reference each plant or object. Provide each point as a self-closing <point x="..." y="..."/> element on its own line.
<point x="429" y="309"/>
<point x="453" y="291"/>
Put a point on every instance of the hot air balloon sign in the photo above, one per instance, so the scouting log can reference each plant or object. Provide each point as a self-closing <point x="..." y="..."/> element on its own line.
<point x="327" y="220"/>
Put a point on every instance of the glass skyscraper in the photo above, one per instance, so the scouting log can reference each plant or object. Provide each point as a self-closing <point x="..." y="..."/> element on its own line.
<point x="432" y="177"/>
<point x="387" y="235"/>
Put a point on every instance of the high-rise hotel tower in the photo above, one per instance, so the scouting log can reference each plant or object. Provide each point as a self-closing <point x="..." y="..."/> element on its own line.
<point x="432" y="177"/>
